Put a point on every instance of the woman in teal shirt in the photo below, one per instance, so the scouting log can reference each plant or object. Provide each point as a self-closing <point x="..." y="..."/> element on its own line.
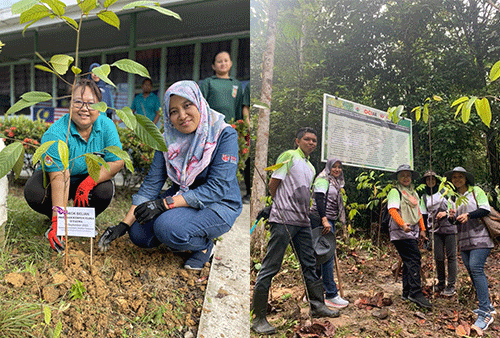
<point x="90" y="132"/>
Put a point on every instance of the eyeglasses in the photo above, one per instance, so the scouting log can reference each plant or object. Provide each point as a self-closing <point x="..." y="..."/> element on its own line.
<point x="78" y="104"/>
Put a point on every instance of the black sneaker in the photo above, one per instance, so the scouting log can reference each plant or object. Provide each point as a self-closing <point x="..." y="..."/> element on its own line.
<point x="449" y="291"/>
<point x="245" y="199"/>
<point x="420" y="300"/>
<point x="438" y="288"/>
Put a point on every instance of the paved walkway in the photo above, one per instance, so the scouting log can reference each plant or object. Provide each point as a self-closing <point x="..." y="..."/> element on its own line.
<point x="226" y="308"/>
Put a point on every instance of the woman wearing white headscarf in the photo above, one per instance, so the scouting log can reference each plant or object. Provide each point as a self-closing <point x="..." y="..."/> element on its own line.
<point x="201" y="161"/>
<point x="327" y="208"/>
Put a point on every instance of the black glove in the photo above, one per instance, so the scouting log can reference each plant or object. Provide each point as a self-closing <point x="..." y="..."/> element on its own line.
<point x="112" y="233"/>
<point x="264" y="213"/>
<point x="146" y="211"/>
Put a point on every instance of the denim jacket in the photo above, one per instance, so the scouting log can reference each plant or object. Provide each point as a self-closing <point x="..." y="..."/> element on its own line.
<point x="216" y="187"/>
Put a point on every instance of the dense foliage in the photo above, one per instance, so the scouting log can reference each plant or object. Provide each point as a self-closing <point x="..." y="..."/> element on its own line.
<point x="385" y="53"/>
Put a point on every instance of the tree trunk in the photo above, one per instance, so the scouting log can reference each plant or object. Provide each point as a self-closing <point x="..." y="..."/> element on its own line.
<point x="261" y="145"/>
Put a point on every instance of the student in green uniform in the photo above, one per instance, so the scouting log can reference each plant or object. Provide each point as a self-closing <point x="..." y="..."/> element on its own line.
<point x="222" y="92"/>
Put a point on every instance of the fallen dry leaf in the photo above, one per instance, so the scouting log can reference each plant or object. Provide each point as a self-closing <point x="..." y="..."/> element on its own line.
<point x="222" y="293"/>
<point x="460" y="331"/>
<point x="420" y="315"/>
<point x="479" y="332"/>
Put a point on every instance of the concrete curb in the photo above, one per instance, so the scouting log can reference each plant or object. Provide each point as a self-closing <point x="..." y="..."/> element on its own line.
<point x="226" y="307"/>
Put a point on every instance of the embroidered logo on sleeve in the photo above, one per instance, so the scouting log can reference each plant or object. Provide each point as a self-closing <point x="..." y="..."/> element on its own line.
<point x="235" y="91"/>
<point x="225" y="157"/>
<point x="48" y="160"/>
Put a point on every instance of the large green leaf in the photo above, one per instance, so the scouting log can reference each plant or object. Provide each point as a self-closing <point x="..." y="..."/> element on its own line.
<point x="18" y="167"/>
<point x="100" y="160"/>
<point x="110" y="18"/>
<point x="9" y="156"/>
<point x="139" y="3"/>
<point x="483" y="110"/>
<point x="36" y="96"/>
<point x="425" y="115"/>
<point x="41" y="150"/>
<point x="466" y="110"/>
<point x="27" y="100"/>
<point x="45" y="69"/>
<point x="62" y="149"/>
<point x="418" y="112"/>
<point x="71" y="21"/>
<point x="47" y="315"/>
<point x="58" y="329"/>
<point x="103" y="72"/>
<point x="22" y="6"/>
<point x="100" y="106"/>
<point x="108" y="3"/>
<point x="163" y="11"/>
<point x="131" y="66"/>
<point x="122" y="155"/>
<point x="61" y="63"/>
<point x="495" y="71"/>
<point x="19" y="105"/>
<point x="459" y="108"/>
<point x="93" y="166"/>
<point x="460" y="100"/>
<point x="87" y="5"/>
<point x="149" y="133"/>
<point x="276" y="166"/>
<point x="56" y="6"/>
<point x="34" y="14"/>
<point x="127" y="116"/>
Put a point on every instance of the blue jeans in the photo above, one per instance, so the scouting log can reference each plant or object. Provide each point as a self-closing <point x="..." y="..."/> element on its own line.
<point x="326" y="272"/>
<point x="180" y="229"/>
<point x="474" y="261"/>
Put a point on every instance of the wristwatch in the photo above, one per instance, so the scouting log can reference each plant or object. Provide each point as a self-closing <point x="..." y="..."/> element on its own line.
<point x="170" y="202"/>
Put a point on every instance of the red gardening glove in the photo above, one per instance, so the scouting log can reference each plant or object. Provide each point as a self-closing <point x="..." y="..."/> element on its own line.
<point x="82" y="193"/>
<point x="57" y="243"/>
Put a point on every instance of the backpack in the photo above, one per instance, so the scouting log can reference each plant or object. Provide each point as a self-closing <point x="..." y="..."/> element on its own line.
<point x="385" y="217"/>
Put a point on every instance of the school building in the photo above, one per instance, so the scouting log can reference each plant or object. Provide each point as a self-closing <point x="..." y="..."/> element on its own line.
<point x="170" y="49"/>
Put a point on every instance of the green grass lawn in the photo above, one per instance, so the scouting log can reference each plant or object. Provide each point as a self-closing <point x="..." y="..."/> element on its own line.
<point x="27" y="250"/>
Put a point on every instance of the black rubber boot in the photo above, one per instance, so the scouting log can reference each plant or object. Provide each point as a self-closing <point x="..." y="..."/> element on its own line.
<point x="317" y="301"/>
<point x="259" y="307"/>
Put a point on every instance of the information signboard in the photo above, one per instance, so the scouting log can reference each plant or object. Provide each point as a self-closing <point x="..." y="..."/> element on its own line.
<point x="81" y="222"/>
<point x="362" y="136"/>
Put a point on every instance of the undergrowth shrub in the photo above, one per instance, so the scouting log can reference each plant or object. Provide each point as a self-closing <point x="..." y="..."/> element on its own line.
<point x="22" y="128"/>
